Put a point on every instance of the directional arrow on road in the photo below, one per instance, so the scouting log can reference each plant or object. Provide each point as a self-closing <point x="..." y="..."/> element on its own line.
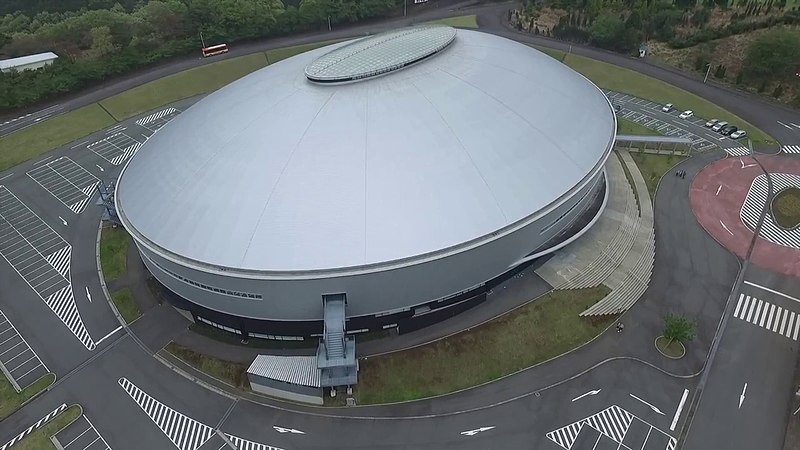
<point x="475" y="431"/>
<point x="101" y="169"/>
<point x="741" y="397"/>
<point x="63" y="221"/>
<point x="656" y="410"/>
<point x="594" y="392"/>
<point x="287" y="430"/>
<point x="88" y="295"/>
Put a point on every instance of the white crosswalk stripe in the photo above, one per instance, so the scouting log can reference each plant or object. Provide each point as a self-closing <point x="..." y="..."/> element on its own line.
<point x="612" y="422"/>
<point x="33" y="427"/>
<point x="62" y="303"/>
<point x="127" y="153"/>
<point x="753" y="203"/>
<point x="149" y="118"/>
<point x="769" y="316"/>
<point x="60" y="260"/>
<point x="186" y="433"/>
<point x="791" y="149"/>
<point x="243" y="444"/>
<point x="737" y="151"/>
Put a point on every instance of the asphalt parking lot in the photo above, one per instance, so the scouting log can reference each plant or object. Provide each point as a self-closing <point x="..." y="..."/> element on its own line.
<point x="116" y="148"/>
<point x="81" y="435"/>
<point x="68" y="182"/>
<point x="20" y="363"/>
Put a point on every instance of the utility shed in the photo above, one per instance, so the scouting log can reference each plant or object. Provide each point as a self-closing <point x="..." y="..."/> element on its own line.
<point x="294" y="378"/>
<point x="29" y="62"/>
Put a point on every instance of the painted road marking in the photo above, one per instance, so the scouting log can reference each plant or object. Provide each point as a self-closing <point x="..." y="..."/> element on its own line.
<point x="753" y="203"/>
<point x="155" y="121"/>
<point x="116" y="148"/>
<point x="750" y="283"/>
<point x="19" y="361"/>
<point x="33" y="427"/>
<point x="741" y="397"/>
<point x="656" y="410"/>
<point x="186" y="433"/>
<point x="783" y="124"/>
<point x="42" y="258"/>
<point x="81" y="435"/>
<point x="737" y="151"/>
<point x="772" y="317"/>
<point x="594" y="392"/>
<point x="68" y="182"/>
<point x="791" y="149"/>
<point x="612" y="423"/>
<point x="678" y="411"/>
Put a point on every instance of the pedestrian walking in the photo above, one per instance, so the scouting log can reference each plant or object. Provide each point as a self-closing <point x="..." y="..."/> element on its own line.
<point x="620" y="326"/>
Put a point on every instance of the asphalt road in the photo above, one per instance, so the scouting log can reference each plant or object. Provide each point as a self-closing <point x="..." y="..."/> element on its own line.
<point x="693" y="274"/>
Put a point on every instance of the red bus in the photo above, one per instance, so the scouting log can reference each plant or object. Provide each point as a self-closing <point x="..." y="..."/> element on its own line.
<point x="215" y="50"/>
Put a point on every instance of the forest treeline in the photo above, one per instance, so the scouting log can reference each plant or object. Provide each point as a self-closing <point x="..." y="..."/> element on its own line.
<point x="97" y="43"/>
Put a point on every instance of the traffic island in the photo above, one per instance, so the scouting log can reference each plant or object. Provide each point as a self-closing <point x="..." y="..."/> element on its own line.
<point x="670" y="349"/>
<point x="786" y="208"/>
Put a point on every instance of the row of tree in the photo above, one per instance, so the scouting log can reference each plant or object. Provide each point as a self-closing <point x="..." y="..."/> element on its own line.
<point x="94" y="44"/>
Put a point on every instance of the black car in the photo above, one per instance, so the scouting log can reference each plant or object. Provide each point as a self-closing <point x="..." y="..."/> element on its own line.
<point x="728" y="130"/>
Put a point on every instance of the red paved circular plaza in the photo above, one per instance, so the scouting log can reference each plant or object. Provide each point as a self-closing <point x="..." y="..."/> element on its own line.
<point x="717" y="194"/>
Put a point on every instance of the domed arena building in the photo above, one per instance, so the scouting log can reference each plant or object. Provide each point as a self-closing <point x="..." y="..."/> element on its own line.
<point x="405" y="173"/>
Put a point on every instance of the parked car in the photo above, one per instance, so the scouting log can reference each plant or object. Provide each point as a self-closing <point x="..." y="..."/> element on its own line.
<point x="728" y="130"/>
<point x="667" y="107"/>
<point x="686" y="114"/>
<point x="738" y="134"/>
<point x="719" y="125"/>
<point x="711" y="123"/>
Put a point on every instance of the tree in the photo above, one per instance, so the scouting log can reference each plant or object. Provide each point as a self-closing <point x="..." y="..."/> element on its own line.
<point x="607" y="31"/>
<point x="678" y="328"/>
<point x="773" y="55"/>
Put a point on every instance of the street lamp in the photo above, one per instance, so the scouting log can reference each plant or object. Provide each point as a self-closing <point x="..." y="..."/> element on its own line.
<point x="405" y="7"/>
<point x="707" y="72"/>
<point x="202" y="41"/>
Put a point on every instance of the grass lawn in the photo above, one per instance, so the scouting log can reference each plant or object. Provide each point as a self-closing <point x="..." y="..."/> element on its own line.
<point x="653" y="167"/>
<point x="188" y="83"/>
<point x="35" y="140"/>
<point x="624" y="80"/>
<point x="126" y="305"/>
<point x="286" y="52"/>
<point x="40" y="439"/>
<point x="786" y="207"/>
<point x="625" y="126"/>
<point x="470" y="21"/>
<point x="556" y="54"/>
<point x="230" y="372"/>
<point x="531" y="334"/>
<point x="114" y="252"/>
<point x="11" y="400"/>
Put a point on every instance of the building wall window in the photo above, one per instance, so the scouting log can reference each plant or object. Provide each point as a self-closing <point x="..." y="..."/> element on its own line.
<point x="209" y="288"/>
<point x="218" y="326"/>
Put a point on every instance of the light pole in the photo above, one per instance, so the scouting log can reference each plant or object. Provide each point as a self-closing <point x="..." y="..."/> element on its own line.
<point x="405" y="7"/>
<point x="707" y="72"/>
<point x="329" y="23"/>
<point x="202" y="42"/>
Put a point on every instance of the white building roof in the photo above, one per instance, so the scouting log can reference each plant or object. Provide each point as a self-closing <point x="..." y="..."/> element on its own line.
<point x="11" y="63"/>
<point x="277" y="173"/>
<point x="300" y="370"/>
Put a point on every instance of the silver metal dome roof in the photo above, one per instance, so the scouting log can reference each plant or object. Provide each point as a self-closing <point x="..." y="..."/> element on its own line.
<point x="276" y="173"/>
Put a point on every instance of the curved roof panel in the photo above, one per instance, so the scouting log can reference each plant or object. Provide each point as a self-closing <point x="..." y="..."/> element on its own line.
<point x="276" y="173"/>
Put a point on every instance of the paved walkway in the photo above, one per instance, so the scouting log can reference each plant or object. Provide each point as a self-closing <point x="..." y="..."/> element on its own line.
<point x="718" y="194"/>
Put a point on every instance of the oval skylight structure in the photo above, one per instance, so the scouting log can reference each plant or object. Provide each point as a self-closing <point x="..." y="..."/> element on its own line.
<point x="380" y="54"/>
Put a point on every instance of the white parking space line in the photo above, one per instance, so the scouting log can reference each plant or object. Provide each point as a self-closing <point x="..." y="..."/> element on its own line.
<point x="67" y="181"/>
<point x="81" y="435"/>
<point x="42" y="258"/>
<point x="116" y="148"/>
<point x="19" y="362"/>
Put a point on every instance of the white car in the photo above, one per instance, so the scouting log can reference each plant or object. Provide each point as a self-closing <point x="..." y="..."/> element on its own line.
<point x="667" y="107"/>
<point x="711" y="123"/>
<point x="686" y="114"/>
<point x="738" y="133"/>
